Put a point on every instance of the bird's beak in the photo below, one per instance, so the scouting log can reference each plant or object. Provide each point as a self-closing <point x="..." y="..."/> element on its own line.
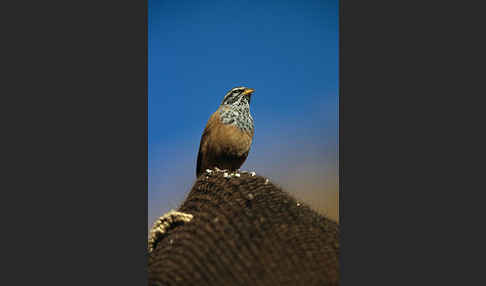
<point x="248" y="91"/>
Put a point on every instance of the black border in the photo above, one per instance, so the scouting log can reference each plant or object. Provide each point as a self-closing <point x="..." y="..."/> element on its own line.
<point x="405" y="70"/>
<point x="76" y="204"/>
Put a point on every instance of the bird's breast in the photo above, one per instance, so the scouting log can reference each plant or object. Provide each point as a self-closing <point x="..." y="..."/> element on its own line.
<point x="239" y="117"/>
<point x="229" y="138"/>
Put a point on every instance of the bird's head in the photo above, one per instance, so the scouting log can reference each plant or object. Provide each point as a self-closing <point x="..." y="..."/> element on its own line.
<point x="238" y="96"/>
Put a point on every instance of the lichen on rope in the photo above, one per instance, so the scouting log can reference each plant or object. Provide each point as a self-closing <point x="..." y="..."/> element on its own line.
<point x="164" y="224"/>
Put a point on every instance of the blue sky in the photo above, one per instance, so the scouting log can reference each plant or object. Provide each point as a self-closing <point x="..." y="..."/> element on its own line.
<point x="286" y="50"/>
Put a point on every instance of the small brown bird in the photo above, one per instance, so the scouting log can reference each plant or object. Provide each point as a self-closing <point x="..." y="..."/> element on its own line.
<point x="227" y="138"/>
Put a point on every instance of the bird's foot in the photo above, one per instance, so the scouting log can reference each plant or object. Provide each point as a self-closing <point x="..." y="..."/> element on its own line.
<point x="227" y="173"/>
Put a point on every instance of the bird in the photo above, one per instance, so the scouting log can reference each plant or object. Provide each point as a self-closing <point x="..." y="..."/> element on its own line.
<point x="228" y="135"/>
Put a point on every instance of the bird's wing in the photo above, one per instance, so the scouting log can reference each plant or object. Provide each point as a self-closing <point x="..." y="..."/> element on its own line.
<point x="203" y="143"/>
<point x="200" y="155"/>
